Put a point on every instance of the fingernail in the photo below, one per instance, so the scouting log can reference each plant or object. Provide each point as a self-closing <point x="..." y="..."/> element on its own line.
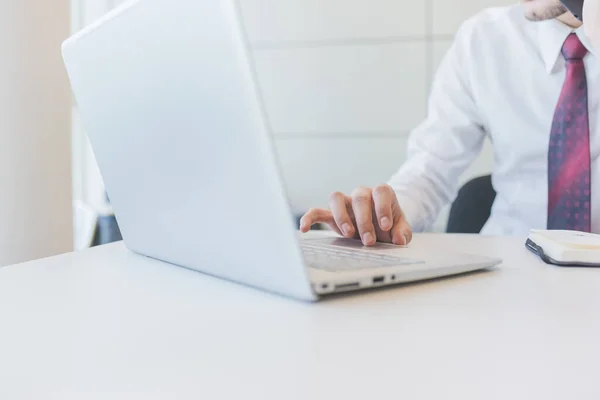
<point x="405" y="240"/>
<point x="368" y="238"/>
<point x="347" y="229"/>
<point x="385" y="223"/>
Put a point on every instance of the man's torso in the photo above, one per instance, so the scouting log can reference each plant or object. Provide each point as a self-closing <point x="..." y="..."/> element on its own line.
<point x="516" y="86"/>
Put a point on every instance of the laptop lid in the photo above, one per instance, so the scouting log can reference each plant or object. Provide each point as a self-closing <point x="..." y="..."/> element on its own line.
<point x="168" y="98"/>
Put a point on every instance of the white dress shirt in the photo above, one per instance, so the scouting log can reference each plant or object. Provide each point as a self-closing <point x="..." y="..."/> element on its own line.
<point x="501" y="79"/>
<point x="591" y="21"/>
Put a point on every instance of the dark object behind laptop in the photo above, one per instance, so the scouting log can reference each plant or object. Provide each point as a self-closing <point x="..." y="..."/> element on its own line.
<point x="575" y="6"/>
<point x="472" y="207"/>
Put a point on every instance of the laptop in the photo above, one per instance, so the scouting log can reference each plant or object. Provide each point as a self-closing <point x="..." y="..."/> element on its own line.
<point x="167" y="93"/>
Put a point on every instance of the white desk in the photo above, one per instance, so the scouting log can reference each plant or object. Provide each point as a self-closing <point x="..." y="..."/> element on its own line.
<point x="107" y="324"/>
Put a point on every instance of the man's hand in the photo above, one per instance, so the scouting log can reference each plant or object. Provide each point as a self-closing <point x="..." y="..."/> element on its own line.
<point x="369" y="214"/>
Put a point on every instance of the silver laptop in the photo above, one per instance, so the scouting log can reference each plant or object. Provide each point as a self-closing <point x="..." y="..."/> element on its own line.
<point x="168" y="96"/>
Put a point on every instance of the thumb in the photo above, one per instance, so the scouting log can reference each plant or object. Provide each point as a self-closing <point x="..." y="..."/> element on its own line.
<point x="401" y="230"/>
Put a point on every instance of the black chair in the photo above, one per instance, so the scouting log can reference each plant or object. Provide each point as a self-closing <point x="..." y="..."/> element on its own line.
<point x="107" y="231"/>
<point x="472" y="207"/>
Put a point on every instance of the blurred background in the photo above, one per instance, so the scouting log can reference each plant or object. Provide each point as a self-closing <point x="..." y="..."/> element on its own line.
<point x="344" y="82"/>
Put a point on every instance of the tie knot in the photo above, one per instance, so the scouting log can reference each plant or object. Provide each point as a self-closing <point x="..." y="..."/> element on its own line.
<point x="573" y="49"/>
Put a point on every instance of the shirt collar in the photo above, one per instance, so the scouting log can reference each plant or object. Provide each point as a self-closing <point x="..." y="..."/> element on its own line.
<point x="552" y="35"/>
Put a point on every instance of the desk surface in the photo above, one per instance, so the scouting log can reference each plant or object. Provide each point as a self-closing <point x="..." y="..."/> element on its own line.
<point x="107" y="324"/>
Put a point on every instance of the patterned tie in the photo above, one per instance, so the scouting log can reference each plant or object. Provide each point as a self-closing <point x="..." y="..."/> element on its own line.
<point x="569" y="193"/>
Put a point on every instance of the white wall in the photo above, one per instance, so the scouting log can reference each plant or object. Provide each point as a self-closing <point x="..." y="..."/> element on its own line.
<point x="345" y="81"/>
<point x="35" y="163"/>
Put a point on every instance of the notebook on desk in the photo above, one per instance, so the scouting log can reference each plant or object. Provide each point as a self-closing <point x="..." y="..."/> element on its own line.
<point x="566" y="248"/>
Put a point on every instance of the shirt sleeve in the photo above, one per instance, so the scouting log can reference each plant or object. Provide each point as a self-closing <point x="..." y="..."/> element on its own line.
<point x="442" y="147"/>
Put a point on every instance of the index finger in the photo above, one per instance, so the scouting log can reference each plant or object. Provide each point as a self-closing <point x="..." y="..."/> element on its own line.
<point x="384" y="198"/>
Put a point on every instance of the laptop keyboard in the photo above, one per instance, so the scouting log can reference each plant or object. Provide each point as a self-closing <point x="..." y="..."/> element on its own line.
<point x="339" y="259"/>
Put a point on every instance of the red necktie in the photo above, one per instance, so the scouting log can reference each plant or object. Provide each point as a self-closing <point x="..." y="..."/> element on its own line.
<point x="569" y="192"/>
